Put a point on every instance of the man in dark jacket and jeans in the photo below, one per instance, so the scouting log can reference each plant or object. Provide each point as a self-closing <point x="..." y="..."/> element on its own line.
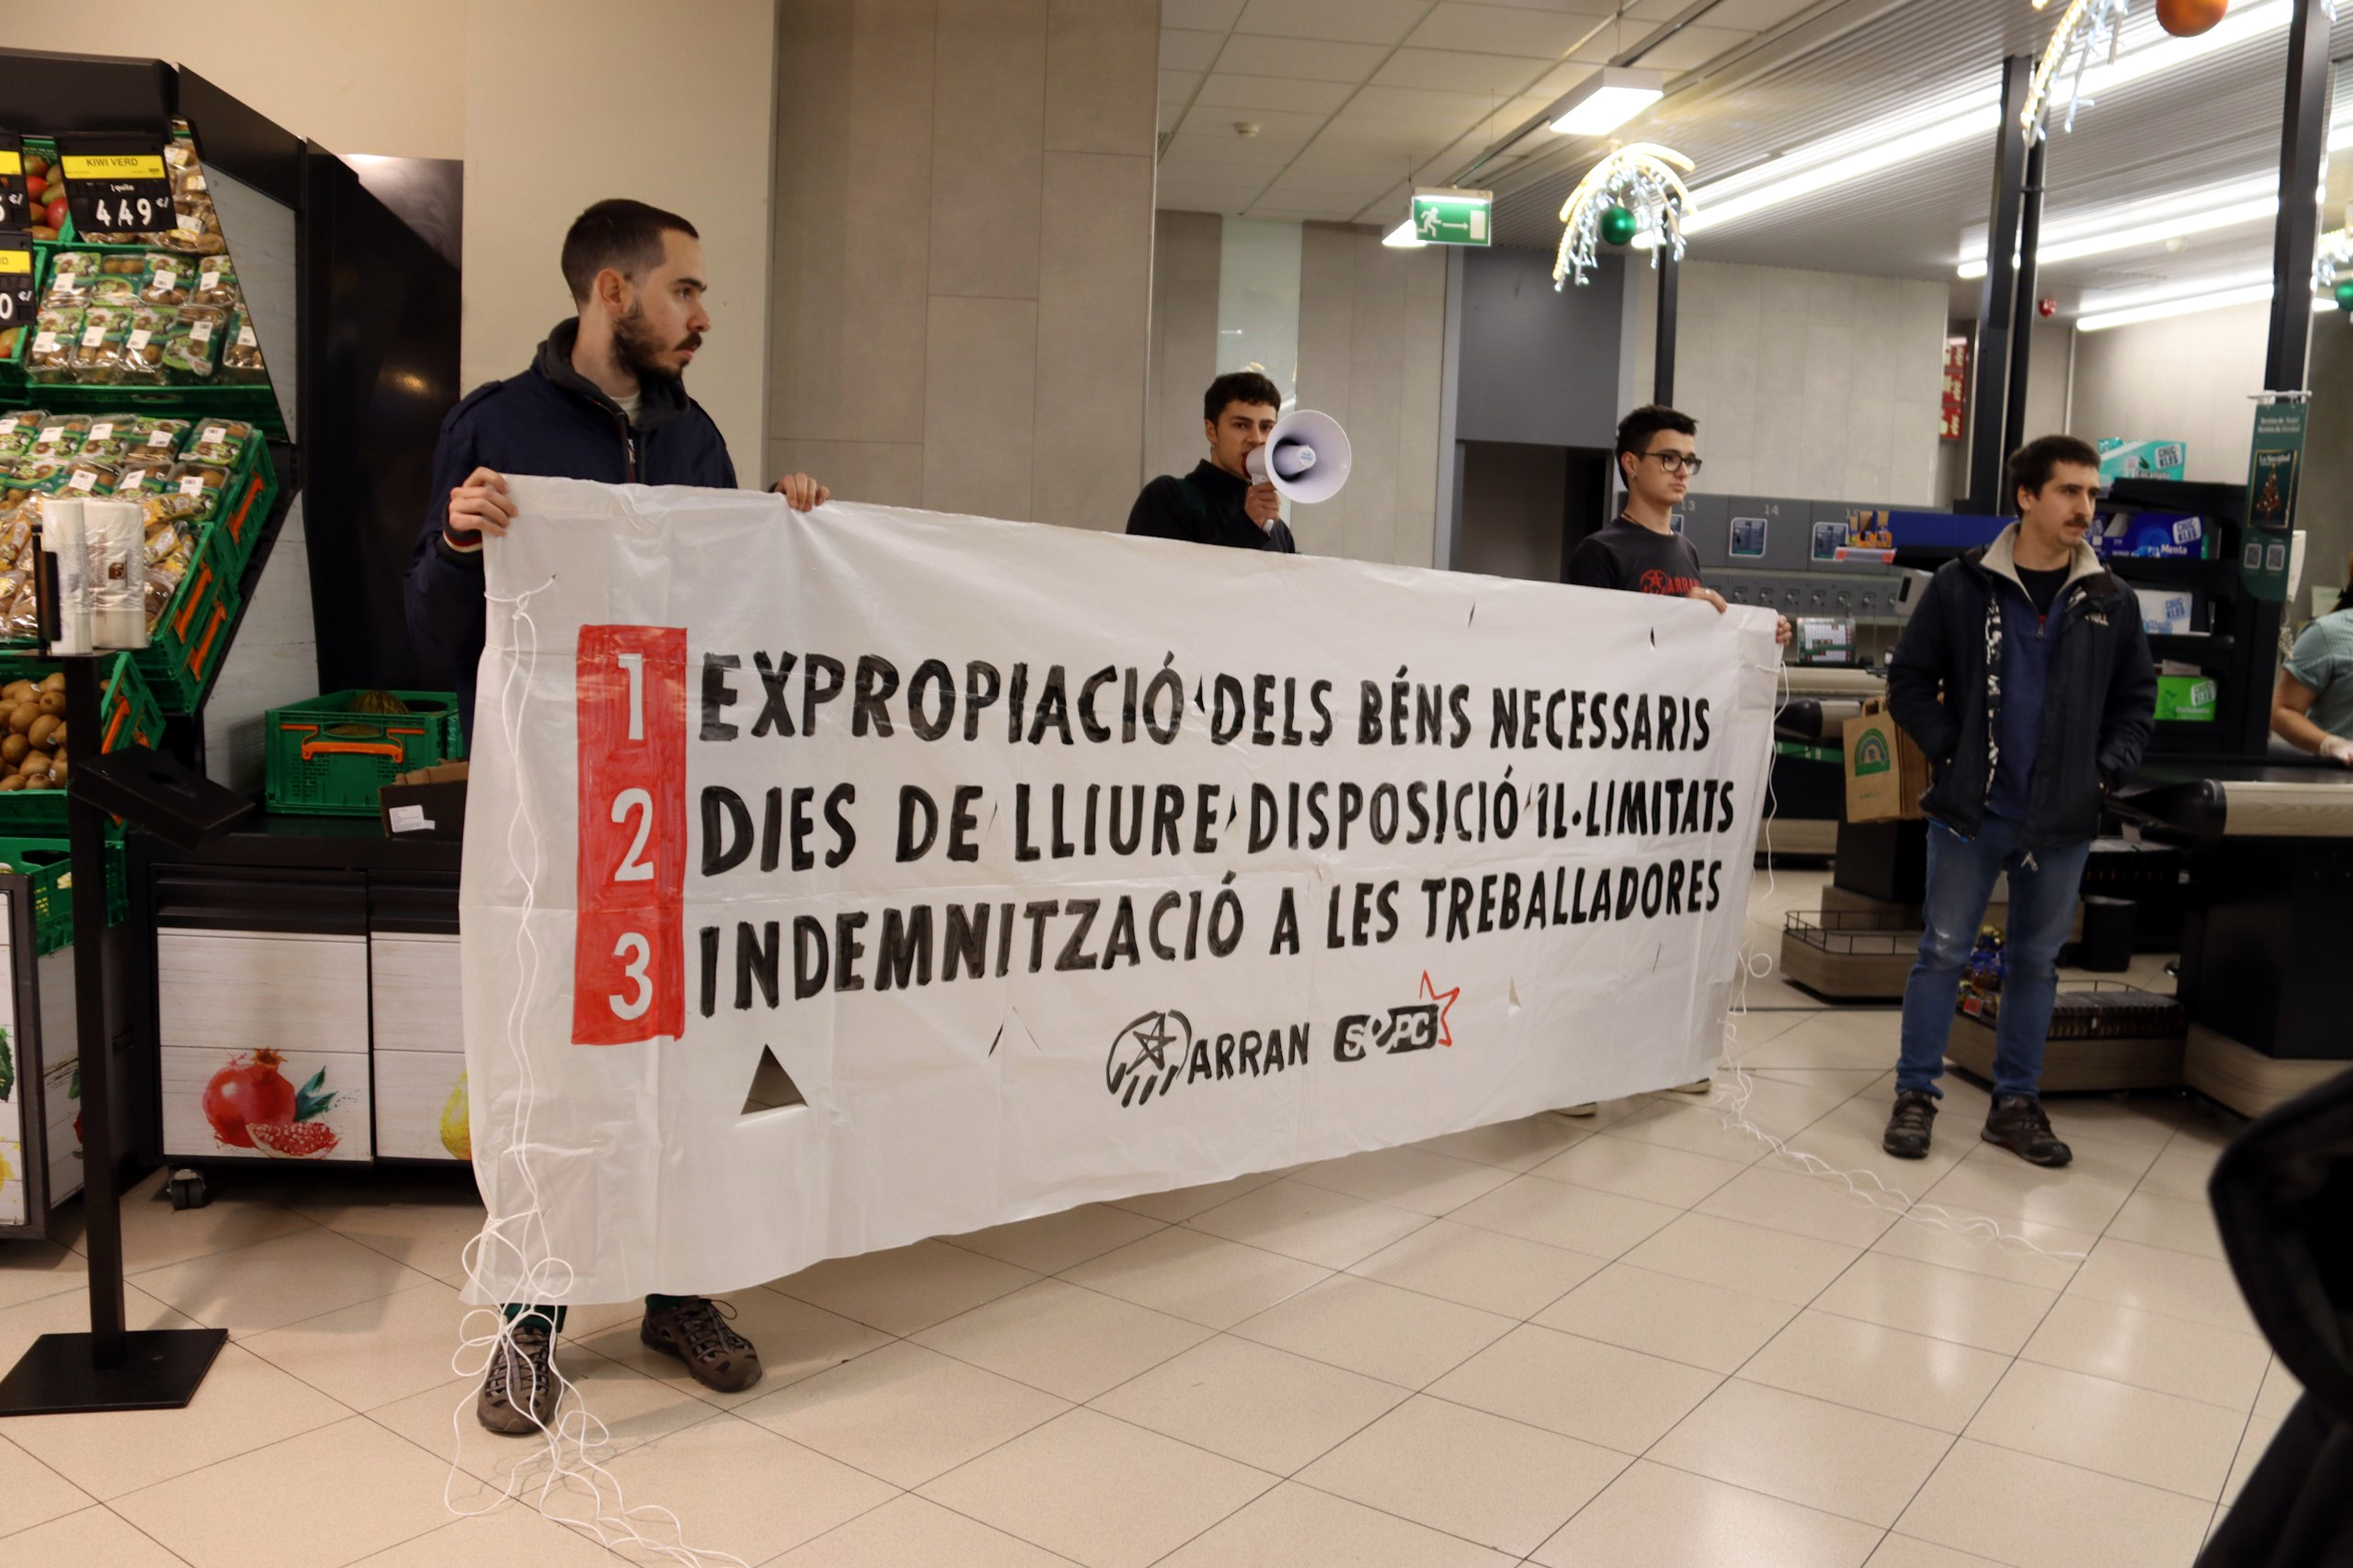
<point x="602" y="400"/>
<point x="2025" y="676"/>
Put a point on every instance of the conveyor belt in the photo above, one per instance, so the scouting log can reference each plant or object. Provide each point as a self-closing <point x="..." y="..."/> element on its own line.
<point x="2231" y="801"/>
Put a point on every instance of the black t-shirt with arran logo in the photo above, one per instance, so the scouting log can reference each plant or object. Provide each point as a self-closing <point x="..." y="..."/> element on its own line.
<point x="1626" y="556"/>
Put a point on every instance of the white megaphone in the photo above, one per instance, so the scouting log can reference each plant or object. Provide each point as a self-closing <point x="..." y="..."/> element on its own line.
<point x="1305" y="456"/>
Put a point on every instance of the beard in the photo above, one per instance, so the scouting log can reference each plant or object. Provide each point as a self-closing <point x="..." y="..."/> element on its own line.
<point x="640" y="348"/>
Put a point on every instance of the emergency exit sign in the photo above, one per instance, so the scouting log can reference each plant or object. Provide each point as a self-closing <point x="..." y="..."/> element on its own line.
<point x="1453" y="217"/>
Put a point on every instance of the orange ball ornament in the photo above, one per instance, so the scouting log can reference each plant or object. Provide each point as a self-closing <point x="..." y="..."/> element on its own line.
<point x="2188" y="18"/>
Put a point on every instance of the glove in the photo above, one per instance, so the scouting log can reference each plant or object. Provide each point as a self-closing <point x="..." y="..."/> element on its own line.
<point x="2336" y="748"/>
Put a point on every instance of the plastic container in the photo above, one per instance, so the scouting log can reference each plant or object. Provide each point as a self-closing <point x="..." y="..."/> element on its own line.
<point x="325" y="760"/>
<point x="128" y="715"/>
<point x="47" y="865"/>
<point x="185" y="649"/>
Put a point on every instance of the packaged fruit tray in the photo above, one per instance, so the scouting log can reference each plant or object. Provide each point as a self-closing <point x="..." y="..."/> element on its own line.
<point x="329" y="756"/>
<point x="31" y="796"/>
<point x="49" y="865"/>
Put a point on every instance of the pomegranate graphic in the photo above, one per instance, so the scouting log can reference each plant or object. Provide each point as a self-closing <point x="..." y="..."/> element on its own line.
<point x="250" y="1105"/>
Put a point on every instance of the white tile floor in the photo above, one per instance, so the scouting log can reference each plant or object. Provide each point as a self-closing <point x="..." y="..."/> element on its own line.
<point x="1638" y="1341"/>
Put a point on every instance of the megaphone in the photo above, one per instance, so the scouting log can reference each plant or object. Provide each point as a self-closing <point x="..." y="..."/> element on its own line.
<point x="1305" y="456"/>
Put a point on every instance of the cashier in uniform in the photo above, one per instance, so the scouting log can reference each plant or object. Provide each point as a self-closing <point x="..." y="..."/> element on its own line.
<point x="2311" y="707"/>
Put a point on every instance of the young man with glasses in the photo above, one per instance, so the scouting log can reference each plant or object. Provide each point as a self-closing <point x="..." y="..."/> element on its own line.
<point x="1639" y="551"/>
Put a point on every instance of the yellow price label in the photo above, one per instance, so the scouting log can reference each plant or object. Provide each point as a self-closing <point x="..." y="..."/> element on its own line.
<point x="11" y="162"/>
<point x="113" y="165"/>
<point x="15" y="261"/>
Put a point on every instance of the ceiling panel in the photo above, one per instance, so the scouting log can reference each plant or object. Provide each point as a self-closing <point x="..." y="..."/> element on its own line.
<point x="1352" y="21"/>
<point x="1691" y="48"/>
<point x="1211" y="15"/>
<point x="1421" y="105"/>
<point x="1184" y="50"/>
<point x="1226" y="90"/>
<point x="1741" y="15"/>
<point x="1273" y="125"/>
<point x="1508" y="29"/>
<point x="1256" y="154"/>
<point x="1308" y="58"/>
<point x="1447" y="70"/>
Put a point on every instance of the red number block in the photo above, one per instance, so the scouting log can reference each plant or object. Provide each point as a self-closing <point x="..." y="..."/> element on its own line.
<point x="628" y="963"/>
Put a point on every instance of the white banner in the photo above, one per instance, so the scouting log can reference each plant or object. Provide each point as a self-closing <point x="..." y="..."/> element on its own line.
<point x="1051" y="867"/>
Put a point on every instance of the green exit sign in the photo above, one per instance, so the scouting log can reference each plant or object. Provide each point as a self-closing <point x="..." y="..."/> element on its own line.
<point x="1453" y="217"/>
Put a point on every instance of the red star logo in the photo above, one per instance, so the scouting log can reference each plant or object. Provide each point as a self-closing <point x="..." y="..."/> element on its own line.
<point x="1445" y="1000"/>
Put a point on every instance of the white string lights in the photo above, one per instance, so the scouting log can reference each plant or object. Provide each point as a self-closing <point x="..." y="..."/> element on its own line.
<point x="1637" y="191"/>
<point x="2089" y="32"/>
<point x="2332" y="268"/>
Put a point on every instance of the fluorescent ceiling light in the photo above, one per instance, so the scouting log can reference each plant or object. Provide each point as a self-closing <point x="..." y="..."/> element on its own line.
<point x="1899" y="139"/>
<point x="2200" y="219"/>
<point x="1403" y="238"/>
<point x="1606" y="100"/>
<point x="2177" y="298"/>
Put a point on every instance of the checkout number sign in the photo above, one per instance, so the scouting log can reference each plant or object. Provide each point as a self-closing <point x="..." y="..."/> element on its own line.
<point x="629" y="965"/>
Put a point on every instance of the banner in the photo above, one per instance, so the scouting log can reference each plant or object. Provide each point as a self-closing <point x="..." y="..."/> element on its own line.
<point x="835" y="880"/>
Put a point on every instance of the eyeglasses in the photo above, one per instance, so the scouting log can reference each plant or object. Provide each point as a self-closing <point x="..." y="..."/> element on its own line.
<point x="1675" y="462"/>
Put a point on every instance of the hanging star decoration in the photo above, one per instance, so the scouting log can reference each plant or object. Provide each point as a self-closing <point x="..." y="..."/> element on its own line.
<point x="1641" y="182"/>
<point x="2332" y="267"/>
<point x="2088" y="30"/>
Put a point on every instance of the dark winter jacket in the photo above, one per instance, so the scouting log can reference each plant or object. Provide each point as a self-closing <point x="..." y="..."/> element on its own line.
<point x="2282" y="1196"/>
<point x="549" y="421"/>
<point x="1206" y="508"/>
<point x="2098" y="707"/>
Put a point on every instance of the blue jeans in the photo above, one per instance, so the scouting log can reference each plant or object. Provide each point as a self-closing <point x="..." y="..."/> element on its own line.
<point x="2043" y="888"/>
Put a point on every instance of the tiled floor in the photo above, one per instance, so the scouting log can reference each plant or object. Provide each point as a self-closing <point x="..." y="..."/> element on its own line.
<point x="1638" y="1342"/>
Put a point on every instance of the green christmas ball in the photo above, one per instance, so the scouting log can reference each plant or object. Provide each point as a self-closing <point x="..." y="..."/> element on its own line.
<point x="2345" y="293"/>
<point x="1619" y="227"/>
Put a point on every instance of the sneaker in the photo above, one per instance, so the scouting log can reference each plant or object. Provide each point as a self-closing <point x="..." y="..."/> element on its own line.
<point x="1907" y="1137"/>
<point x="519" y="1392"/>
<point x="2017" y="1124"/>
<point x="1589" y="1108"/>
<point x="1697" y="1086"/>
<point x="695" y="1331"/>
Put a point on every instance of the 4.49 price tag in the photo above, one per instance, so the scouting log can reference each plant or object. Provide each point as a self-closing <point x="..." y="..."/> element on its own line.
<point x="13" y="213"/>
<point x="16" y="280"/>
<point x="116" y="183"/>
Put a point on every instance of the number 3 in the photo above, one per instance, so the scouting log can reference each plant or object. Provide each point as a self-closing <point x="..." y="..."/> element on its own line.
<point x="635" y="969"/>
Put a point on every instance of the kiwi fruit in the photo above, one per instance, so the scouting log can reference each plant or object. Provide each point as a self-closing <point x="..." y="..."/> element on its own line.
<point x="53" y="681"/>
<point x="51" y="701"/>
<point x="58" y="773"/>
<point x="43" y="733"/>
<point x="17" y="692"/>
<point x="14" y="781"/>
<point x="13" y="749"/>
<point x="40" y="781"/>
<point x="21" y="717"/>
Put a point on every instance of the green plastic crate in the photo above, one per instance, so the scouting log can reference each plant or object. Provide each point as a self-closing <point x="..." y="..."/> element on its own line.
<point x="49" y="865"/>
<point x="128" y="716"/>
<point x="185" y="648"/>
<point x="326" y="761"/>
<point x="245" y="513"/>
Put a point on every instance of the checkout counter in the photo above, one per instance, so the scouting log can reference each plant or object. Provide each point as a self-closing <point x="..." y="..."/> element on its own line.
<point x="2269" y="927"/>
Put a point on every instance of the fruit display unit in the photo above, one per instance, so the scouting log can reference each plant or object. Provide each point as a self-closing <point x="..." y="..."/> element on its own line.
<point x="140" y="377"/>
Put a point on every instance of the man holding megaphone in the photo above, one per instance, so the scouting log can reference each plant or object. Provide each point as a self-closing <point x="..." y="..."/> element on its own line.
<point x="1256" y="457"/>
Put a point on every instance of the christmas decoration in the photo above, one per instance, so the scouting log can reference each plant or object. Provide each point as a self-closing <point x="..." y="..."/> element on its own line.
<point x="2332" y="267"/>
<point x="2345" y="294"/>
<point x="2087" y="31"/>
<point x="2188" y="18"/>
<point x="1637" y="189"/>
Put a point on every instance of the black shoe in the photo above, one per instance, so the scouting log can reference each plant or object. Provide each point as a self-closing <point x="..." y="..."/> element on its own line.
<point x="2017" y="1124"/>
<point x="519" y="1394"/>
<point x="695" y="1331"/>
<point x="1907" y="1137"/>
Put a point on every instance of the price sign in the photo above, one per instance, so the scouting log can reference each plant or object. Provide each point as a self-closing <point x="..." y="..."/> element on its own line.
<point x="16" y="280"/>
<point x="628" y="962"/>
<point x="116" y="184"/>
<point x="13" y="213"/>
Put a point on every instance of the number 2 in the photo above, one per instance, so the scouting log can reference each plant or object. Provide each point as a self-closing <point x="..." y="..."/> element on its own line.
<point x="633" y="868"/>
<point x="633" y="970"/>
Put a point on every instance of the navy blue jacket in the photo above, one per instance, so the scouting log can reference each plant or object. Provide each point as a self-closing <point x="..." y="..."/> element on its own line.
<point x="552" y="422"/>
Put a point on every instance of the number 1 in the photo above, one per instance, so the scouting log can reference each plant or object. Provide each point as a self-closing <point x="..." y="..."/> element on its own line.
<point x="634" y="663"/>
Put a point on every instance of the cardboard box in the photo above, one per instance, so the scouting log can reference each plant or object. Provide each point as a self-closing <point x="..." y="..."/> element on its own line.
<point x="429" y="803"/>
<point x="2186" y="697"/>
<point x="1887" y="774"/>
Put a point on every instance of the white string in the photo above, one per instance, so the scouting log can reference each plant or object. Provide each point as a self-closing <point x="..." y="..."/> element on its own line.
<point x="1732" y="1108"/>
<point x="521" y="1239"/>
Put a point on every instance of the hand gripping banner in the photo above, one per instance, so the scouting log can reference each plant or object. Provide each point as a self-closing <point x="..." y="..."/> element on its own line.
<point x="839" y="880"/>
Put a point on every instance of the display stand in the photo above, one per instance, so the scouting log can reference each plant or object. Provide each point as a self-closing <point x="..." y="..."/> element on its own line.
<point x="112" y="1367"/>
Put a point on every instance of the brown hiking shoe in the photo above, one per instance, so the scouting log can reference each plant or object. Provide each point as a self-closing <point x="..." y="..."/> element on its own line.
<point x="519" y="1392"/>
<point x="696" y="1331"/>
<point x="1911" y="1125"/>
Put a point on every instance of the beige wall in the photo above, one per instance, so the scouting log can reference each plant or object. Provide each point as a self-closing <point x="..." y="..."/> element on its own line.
<point x="2184" y="377"/>
<point x="540" y="144"/>
<point x="963" y="252"/>
<point x="1185" y="271"/>
<point x="1372" y="345"/>
<point x="356" y="77"/>
<point x="1824" y="385"/>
